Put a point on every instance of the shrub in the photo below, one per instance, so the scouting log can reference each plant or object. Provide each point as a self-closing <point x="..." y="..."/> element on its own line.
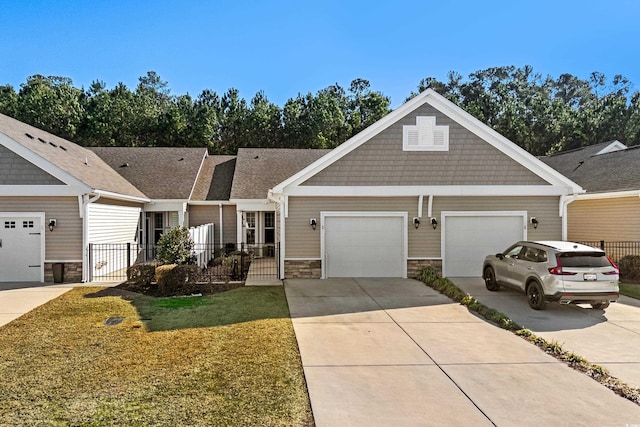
<point x="630" y="268"/>
<point x="174" y="279"/>
<point x="175" y="247"/>
<point x="141" y="274"/>
<point x="428" y="275"/>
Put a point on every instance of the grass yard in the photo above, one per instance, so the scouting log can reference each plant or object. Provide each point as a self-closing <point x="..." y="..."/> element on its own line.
<point x="630" y="289"/>
<point x="224" y="359"/>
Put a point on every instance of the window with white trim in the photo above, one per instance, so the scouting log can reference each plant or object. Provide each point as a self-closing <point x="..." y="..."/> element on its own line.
<point x="250" y="218"/>
<point x="425" y="135"/>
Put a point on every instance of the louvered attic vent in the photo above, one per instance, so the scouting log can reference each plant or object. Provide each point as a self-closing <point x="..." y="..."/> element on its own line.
<point x="425" y="135"/>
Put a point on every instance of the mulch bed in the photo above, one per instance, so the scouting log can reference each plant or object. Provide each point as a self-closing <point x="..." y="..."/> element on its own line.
<point x="189" y="289"/>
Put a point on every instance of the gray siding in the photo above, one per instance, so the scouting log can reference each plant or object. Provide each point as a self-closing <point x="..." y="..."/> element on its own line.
<point x="469" y="161"/>
<point x="606" y="219"/>
<point x="14" y="170"/>
<point x="64" y="243"/>
<point x="199" y="214"/>
<point x="303" y="242"/>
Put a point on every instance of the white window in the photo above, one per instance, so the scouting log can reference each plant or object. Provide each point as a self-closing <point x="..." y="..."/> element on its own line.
<point x="250" y="228"/>
<point x="425" y="135"/>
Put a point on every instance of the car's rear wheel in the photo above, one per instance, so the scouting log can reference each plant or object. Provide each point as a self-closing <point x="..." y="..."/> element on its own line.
<point x="600" y="305"/>
<point x="535" y="296"/>
<point x="490" y="279"/>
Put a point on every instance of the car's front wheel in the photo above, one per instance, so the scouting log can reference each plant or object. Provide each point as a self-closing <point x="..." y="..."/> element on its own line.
<point x="490" y="280"/>
<point x="535" y="296"/>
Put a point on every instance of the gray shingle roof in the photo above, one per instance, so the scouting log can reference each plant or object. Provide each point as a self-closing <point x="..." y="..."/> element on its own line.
<point x="160" y="172"/>
<point x="260" y="169"/>
<point x="215" y="179"/>
<point x="609" y="172"/>
<point x="77" y="161"/>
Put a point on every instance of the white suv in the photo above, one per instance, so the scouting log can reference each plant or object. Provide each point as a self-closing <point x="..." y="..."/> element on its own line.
<point x="566" y="272"/>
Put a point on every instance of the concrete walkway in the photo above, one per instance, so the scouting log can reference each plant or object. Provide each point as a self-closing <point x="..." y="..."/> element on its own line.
<point x="17" y="299"/>
<point x="380" y="352"/>
<point x="609" y="337"/>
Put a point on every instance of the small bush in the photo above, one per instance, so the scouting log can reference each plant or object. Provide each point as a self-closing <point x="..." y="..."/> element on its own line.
<point x="428" y="275"/>
<point x="141" y="274"/>
<point x="176" y="247"/>
<point x="176" y="279"/>
<point x="630" y="268"/>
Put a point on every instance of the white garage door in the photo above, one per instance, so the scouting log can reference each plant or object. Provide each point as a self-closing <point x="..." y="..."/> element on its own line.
<point x="21" y="243"/>
<point x="364" y="246"/>
<point x="468" y="239"/>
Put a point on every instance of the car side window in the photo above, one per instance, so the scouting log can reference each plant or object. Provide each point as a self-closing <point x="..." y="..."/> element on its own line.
<point x="533" y="255"/>
<point x="514" y="252"/>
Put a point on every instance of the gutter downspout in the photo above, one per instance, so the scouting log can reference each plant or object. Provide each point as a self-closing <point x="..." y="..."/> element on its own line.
<point x="221" y="236"/>
<point x="280" y="203"/>
<point x="564" y="202"/>
<point x="84" y="214"/>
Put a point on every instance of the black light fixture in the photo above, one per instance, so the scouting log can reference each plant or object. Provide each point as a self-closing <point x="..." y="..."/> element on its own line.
<point x="52" y="223"/>
<point x="434" y="223"/>
<point x="416" y="222"/>
<point x="313" y="223"/>
<point x="534" y="222"/>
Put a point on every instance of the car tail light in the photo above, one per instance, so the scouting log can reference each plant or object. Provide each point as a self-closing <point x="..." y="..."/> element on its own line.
<point x="557" y="270"/>
<point x="616" y="270"/>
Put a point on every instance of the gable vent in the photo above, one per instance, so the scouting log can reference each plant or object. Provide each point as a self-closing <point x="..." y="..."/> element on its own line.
<point x="425" y="135"/>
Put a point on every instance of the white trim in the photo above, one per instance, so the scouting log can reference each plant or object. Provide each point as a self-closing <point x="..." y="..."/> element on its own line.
<point x="442" y="190"/>
<point x="210" y="202"/>
<point x="610" y="195"/>
<point x="445" y="214"/>
<point x="40" y="190"/>
<point x="158" y="205"/>
<point x="430" y="206"/>
<point x="563" y="184"/>
<point x="420" y="200"/>
<point x="418" y="258"/>
<point x="614" y="146"/>
<point x="119" y="196"/>
<point x="381" y="214"/>
<point x="41" y="216"/>
<point x="257" y="205"/>
<point x="50" y="261"/>
<point x="303" y="259"/>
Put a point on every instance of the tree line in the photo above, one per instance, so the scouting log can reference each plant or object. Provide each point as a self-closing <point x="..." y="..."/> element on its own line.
<point x="541" y="114"/>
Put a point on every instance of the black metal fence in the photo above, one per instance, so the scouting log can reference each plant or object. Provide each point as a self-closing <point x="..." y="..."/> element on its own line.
<point x="218" y="263"/>
<point x="615" y="250"/>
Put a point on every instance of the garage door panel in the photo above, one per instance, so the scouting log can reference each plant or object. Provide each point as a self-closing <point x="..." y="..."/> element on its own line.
<point x="364" y="246"/>
<point x="20" y="249"/>
<point x="469" y="239"/>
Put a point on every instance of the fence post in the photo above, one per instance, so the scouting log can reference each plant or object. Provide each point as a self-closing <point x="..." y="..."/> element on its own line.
<point x="242" y="261"/>
<point x="128" y="254"/>
<point x="90" y="266"/>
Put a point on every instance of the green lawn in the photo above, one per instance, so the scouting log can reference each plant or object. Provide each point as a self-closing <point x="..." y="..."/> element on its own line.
<point x="225" y="359"/>
<point x="630" y="289"/>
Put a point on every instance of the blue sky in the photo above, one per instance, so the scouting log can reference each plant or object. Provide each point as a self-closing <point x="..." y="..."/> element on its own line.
<point x="290" y="47"/>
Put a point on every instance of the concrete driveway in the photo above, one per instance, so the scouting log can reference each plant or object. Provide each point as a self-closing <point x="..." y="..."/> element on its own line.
<point x="609" y="337"/>
<point x="394" y="352"/>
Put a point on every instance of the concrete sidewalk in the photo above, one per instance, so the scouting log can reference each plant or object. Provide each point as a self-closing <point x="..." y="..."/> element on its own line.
<point x="394" y="352"/>
<point x="609" y="337"/>
<point x="17" y="299"/>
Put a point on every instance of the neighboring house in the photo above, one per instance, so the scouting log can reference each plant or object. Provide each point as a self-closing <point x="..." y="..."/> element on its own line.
<point x="426" y="185"/>
<point x="610" y="208"/>
<point x="55" y="198"/>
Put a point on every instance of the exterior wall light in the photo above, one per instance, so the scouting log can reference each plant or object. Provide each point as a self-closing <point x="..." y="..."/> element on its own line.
<point x="534" y="222"/>
<point x="434" y="223"/>
<point x="52" y="224"/>
<point x="416" y="222"/>
<point x="313" y="223"/>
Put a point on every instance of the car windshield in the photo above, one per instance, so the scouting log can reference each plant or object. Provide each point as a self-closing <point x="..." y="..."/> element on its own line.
<point x="584" y="259"/>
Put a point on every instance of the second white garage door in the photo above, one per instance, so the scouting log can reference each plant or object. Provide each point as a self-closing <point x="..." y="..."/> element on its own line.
<point x="364" y="245"/>
<point x="468" y="237"/>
